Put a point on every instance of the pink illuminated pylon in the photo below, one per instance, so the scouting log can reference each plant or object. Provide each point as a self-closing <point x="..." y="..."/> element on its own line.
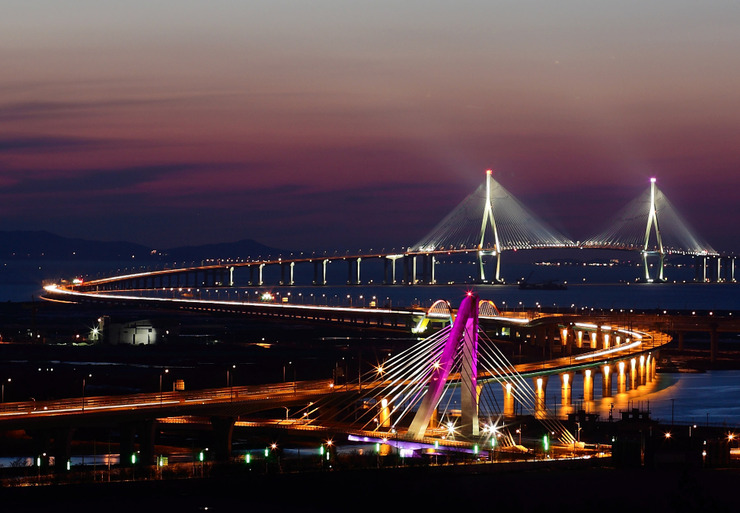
<point x="464" y="331"/>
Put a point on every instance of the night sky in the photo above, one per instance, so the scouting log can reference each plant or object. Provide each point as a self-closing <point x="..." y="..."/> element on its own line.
<point x="337" y="124"/>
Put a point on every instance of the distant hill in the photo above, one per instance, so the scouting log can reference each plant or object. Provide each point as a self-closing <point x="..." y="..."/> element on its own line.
<point x="42" y="245"/>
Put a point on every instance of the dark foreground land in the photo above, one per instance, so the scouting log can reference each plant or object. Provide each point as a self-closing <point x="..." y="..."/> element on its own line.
<point x="551" y="487"/>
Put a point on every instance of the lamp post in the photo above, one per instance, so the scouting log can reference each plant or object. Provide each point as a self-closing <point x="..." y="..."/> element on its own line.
<point x="166" y="371"/>
<point x="84" y="384"/>
<point x="3" y="392"/>
<point x="230" y="382"/>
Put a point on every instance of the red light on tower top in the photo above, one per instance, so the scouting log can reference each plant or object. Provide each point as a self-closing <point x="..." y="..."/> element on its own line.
<point x="489" y="171"/>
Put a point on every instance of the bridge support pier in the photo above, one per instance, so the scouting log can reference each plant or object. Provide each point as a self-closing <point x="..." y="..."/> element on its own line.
<point x="147" y="437"/>
<point x="633" y="374"/>
<point x="62" y="447"/>
<point x="509" y="404"/>
<point x="540" y="395"/>
<point x="287" y="267"/>
<point x="621" y="377"/>
<point x="384" y="415"/>
<point x="127" y="445"/>
<point x="588" y="385"/>
<point x="409" y="270"/>
<point x="353" y="271"/>
<point x="223" y="431"/>
<point x="606" y="381"/>
<point x="319" y="271"/>
<point x="700" y="268"/>
<point x="642" y="370"/>
<point x="566" y="388"/>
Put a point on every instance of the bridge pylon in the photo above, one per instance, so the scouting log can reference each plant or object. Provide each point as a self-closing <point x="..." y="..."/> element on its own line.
<point x="489" y="221"/>
<point x="653" y="222"/>
<point x="464" y="331"/>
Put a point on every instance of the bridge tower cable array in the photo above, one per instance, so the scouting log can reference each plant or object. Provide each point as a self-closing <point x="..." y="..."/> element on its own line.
<point x="489" y="221"/>
<point x="649" y="213"/>
<point x="417" y="388"/>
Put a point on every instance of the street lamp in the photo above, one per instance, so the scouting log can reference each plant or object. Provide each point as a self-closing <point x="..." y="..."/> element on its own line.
<point x="3" y="393"/>
<point x="84" y="383"/>
<point x="166" y="371"/>
<point x="230" y="381"/>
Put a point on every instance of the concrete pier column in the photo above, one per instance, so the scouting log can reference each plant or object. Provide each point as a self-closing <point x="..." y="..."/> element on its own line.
<point x="127" y="445"/>
<point x="641" y="370"/>
<point x="251" y="274"/>
<point x="566" y="388"/>
<point x="606" y="337"/>
<point x="633" y="374"/>
<point x="409" y="270"/>
<point x="594" y="339"/>
<point x="606" y="381"/>
<point x="509" y="405"/>
<point x="588" y="385"/>
<point x="540" y="395"/>
<point x="358" y="275"/>
<point x="621" y="377"/>
<point x="231" y="276"/>
<point x="61" y="447"/>
<point x="287" y="268"/>
<point x="579" y="339"/>
<point x="654" y="367"/>
<point x="649" y="368"/>
<point x="260" y="281"/>
<point x="147" y="438"/>
<point x="700" y="268"/>
<point x="564" y="336"/>
<point x="319" y="271"/>
<point x="223" y="430"/>
<point x="392" y="278"/>
<point x="351" y="272"/>
<point x="316" y="267"/>
<point x="384" y="415"/>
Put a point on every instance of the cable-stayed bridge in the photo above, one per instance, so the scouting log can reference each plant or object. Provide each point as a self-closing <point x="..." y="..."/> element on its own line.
<point x="438" y="392"/>
<point x="487" y="223"/>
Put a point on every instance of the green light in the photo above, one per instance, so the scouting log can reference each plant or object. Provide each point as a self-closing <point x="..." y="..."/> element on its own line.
<point x="321" y="450"/>
<point x="68" y="465"/>
<point x="248" y="458"/>
<point x="377" y="447"/>
<point x="133" y="459"/>
<point x="267" y="452"/>
<point x="201" y="456"/>
<point x="475" y="449"/>
<point x="493" y="441"/>
<point x="436" y="444"/>
<point x="546" y="443"/>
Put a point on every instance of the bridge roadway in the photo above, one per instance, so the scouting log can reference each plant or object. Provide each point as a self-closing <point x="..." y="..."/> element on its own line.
<point x="221" y="273"/>
<point x="245" y="400"/>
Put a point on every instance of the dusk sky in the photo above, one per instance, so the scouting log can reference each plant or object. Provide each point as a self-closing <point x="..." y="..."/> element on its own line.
<point x="339" y="124"/>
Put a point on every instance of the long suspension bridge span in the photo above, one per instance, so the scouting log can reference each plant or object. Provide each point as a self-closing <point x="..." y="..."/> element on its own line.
<point x="487" y="223"/>
<point x="438" y="392"/>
